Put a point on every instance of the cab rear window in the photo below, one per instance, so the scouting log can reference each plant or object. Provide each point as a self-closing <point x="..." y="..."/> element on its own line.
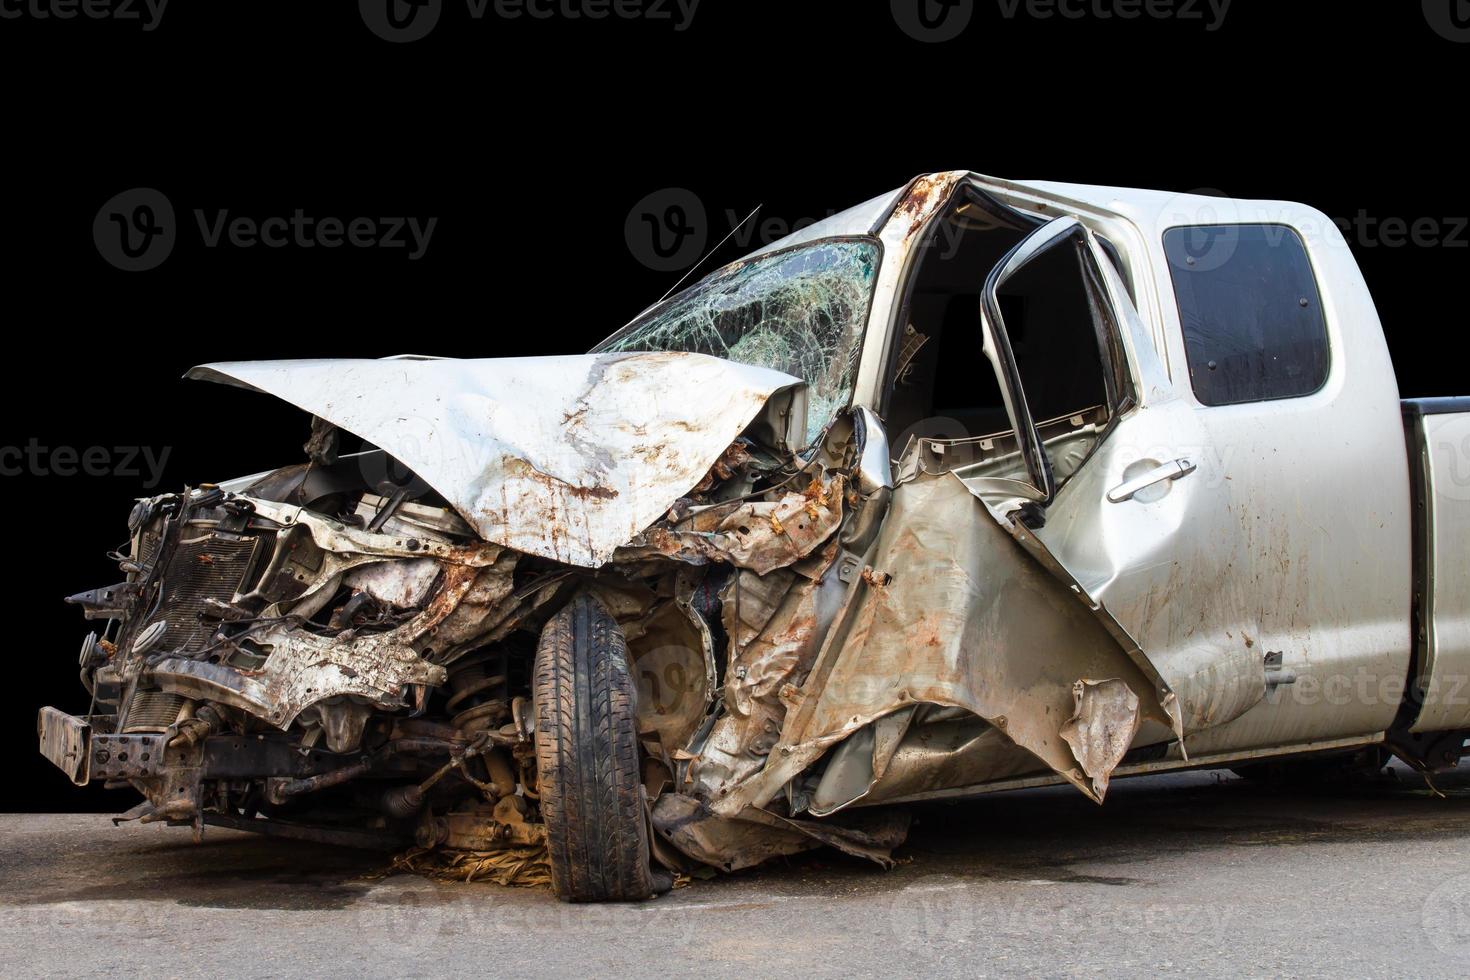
<point x="1251" y="312"/>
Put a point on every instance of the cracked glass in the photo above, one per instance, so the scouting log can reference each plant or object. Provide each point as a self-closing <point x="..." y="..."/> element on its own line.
<point x="801" y="311"/>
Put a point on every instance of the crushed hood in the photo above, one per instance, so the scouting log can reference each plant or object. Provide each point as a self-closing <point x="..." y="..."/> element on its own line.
<point x="563" y="457"/>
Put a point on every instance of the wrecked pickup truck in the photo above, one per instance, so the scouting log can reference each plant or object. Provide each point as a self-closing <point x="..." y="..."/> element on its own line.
<point x="978" y="485"/>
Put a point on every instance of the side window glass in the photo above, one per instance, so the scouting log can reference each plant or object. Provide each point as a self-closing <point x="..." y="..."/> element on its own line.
<point x="1251" y="311"/>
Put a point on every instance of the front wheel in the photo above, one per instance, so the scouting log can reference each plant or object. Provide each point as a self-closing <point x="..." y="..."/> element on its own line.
<point x="587" y="758"/>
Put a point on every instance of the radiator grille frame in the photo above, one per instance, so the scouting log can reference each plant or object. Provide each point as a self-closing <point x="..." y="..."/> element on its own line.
<point x="210" y="566"/>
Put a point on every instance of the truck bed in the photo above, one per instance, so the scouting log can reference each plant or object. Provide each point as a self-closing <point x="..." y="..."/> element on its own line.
<point x="1438" y="435"/>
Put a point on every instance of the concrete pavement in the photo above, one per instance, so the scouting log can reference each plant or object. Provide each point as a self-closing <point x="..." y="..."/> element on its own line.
<point x="1200" y="873"/>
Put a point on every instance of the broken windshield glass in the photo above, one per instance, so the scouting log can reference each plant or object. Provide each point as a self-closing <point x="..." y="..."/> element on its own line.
<point x="801" y="311"/>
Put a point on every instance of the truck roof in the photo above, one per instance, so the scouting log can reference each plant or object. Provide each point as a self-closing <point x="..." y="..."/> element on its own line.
<point x="1145" y="208"/>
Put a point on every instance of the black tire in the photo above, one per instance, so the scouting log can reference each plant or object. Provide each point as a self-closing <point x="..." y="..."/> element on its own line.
<point x="1340" y="767"/>
<point x="588" y="773"/>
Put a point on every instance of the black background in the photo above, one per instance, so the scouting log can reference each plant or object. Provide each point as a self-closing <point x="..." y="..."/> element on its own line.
<point x="533" y="142"/>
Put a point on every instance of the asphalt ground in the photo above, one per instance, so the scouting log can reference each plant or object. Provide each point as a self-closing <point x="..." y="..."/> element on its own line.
<point x="1203" y="873"/>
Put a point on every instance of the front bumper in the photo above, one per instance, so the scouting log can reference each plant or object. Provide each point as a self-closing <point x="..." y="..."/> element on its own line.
<point x="86" y="749"/>
<point x="66" y="742"/>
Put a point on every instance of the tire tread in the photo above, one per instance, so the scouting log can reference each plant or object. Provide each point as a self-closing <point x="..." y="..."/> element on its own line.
<point x="588" y="772"/>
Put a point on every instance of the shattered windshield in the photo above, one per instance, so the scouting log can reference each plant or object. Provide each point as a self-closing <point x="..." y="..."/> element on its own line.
<point x="801" y="311"/>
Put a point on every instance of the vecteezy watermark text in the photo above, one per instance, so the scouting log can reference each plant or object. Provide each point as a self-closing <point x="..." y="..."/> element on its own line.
<point x="304" y="231"/>
<point x="128" y="462"/>
<point x="1371" y="231"/>
<point x="937" y="21"/>
<point x="401" y="21"/>
<point x="1210" y="13"/>
<point x="147" y="13"/>
<point x="136" y="230"/>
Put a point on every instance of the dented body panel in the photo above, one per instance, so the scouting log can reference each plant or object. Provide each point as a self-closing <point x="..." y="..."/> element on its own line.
<point x="1278" y="561"/>
<point x="841" y="585"/>
<point x="957" y="625"/>
<point x="562" y="457"/>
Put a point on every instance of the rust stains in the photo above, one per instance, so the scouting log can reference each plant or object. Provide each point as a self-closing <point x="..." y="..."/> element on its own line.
<point x="763" y="536"/>
<point x="924" y="198"/>
<point x="556" y="484"/>
<point x="724" y="468"/>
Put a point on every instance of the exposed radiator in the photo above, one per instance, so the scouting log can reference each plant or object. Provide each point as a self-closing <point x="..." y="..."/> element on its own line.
<point x="152" y="711"/>
<point x="205" y="567"/>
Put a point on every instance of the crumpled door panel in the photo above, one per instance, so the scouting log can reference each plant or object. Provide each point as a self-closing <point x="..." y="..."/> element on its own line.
<point x="958" y="614"/>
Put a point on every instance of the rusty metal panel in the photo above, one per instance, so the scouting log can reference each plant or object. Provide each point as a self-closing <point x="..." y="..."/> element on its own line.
<point x="304" y="669"/>
<point x="64" y="741"/>
<point x="956" y="614"/>
<point x="128" y="756"/>
<point x="562" y="457"/>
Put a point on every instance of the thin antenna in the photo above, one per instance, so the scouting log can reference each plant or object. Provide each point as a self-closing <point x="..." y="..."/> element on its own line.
<point x="708" y="254"/>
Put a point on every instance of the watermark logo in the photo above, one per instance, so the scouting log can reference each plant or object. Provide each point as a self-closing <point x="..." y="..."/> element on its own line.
<point x="667" y="231"/>
<point x="1448" y="437"/>
<point x="1446" y="917"/>
<point x="937" y="917"/>
<point x="933" y="913"/>
<point x="1449" y="18"/>
<point x="405" y="917"/>
<point x="933" y="21"/>
<point x="1209" y="218"/>
<point x="412" y="918"/>
<point x="671" y="229"/>
<point x="135" y="230"/>
<point x="146" y="13"/>
<point x="400" y="21"/>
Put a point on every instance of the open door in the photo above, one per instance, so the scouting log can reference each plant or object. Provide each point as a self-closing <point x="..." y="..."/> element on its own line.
<point x="1117" y="498"/>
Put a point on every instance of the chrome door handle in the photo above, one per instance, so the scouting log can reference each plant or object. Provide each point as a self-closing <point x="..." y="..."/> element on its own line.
<point x="1168" y="471"/>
